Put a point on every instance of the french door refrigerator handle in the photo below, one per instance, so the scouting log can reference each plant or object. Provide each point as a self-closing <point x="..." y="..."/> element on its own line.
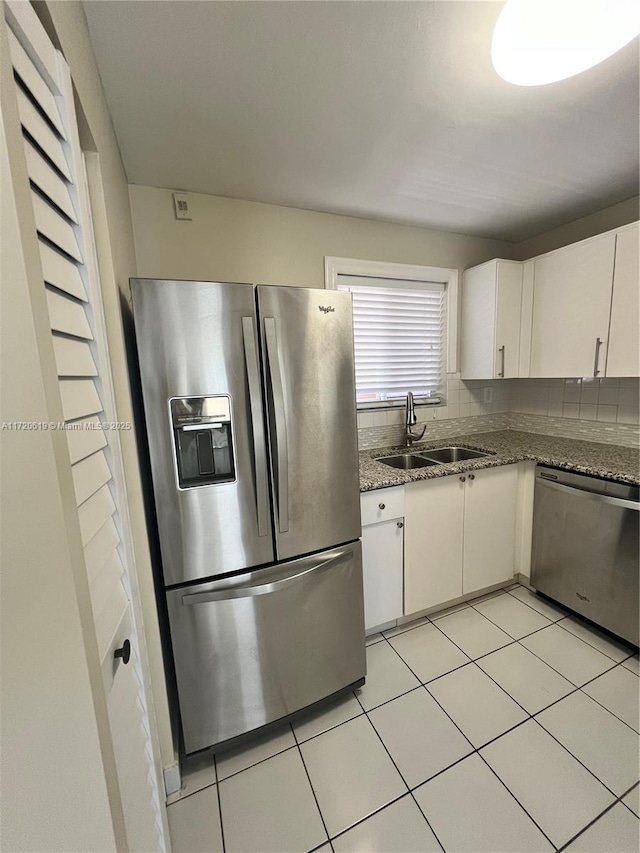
<point x="594" y="496"/>
<point x="241" y="591"/>
<point x="257" y="426"/>
<point x="277" y="394"/>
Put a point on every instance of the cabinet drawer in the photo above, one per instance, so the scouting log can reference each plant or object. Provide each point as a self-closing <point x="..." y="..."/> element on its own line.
<point x="382" y="504"/>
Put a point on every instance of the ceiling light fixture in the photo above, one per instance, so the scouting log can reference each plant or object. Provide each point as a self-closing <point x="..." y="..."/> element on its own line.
<point x="541" y="41"/>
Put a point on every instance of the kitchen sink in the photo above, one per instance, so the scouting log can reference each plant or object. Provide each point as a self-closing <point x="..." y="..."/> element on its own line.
<point x="442" y="455"/>
<point x="406" y="461"/>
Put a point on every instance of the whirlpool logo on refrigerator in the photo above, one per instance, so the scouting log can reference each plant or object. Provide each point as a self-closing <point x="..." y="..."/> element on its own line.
<point x="326" y="309"/>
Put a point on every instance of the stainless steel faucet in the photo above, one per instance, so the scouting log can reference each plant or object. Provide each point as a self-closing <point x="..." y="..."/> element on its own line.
<point x="410" y="420"/>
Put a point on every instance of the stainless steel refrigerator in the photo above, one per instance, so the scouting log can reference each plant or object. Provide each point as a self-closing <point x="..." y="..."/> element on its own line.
<point x="250" y="413"/>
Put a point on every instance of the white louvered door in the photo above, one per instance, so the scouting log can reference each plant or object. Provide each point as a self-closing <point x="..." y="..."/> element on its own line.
<point x="70" y="278"/>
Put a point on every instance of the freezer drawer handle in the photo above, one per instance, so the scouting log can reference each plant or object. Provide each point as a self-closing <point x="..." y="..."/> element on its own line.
<point x="593" y="496"/>
<point x="277" y="394"/>
<point x="257" y="427"/>
<point x="261" y="589"/>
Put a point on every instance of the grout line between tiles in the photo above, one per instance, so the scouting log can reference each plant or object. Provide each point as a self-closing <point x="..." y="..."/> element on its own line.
<point x="591" y="644"/>
<point x="409" y="789"/>
<point x="326" y="831"/>
<point x="590" y="824"/>
<point x="331" y="728"/>
<point x="410" y="627"/>
<point x="260" y="761"/>
<point x="577" y="686"/>
<point x="528" y="634"/>
<point x="224" y="846"/>
<point x="215" y="771"/>
<point x="479" y="657"/>
<point x="509" y="791"/>
<point x="553" y="621"/>
<point x="371" y="814"/>
<point x="632" y="788"/>
<point x="566" y="748"/>
<point x="600" y="703"/>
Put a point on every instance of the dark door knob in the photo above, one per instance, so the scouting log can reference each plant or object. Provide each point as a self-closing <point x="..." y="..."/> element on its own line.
<point x="124" y="652"/>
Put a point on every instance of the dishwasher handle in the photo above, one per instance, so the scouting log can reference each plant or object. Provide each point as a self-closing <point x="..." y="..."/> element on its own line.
<point x="594" y="496"/>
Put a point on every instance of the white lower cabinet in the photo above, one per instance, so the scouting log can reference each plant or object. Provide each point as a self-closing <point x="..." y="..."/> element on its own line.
<point x="489" y="552"/>
<point x="382" y="554"/>
<point x="460" y="535"/>
<point x="382" y="572"/>
<point x="434" y="517"/>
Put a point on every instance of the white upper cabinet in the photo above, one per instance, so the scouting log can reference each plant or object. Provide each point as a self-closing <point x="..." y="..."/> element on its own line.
<point x="623" y="358"/>
<point x="571" y="304"/>
<point x="491" y="306"/>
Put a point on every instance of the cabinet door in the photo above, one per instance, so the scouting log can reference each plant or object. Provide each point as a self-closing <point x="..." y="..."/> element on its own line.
<point x="382" y="572"/>
<point x="507" y="334"/>
<point x="489" y="527"/>
<point x="478" y="321"/>
<point x="571" y="301"/>
<point x="623" y="358"/>
<point x="433" y="542"/>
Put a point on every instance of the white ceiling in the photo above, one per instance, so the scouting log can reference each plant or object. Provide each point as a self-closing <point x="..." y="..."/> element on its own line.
<point x="387" y="110"/>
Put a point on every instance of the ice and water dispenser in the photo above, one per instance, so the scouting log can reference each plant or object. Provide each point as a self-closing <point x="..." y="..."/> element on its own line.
<point x="203" y="440"/>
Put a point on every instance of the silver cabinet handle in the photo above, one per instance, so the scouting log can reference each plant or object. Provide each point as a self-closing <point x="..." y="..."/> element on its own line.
<point x="277" y="394"/>
<point x="501" y="351"/>
<point x="596" y="371"/>
<point x="257" y="426"/>
<point x="400" y="524"/>
<point x="249" y="590"/>
<point x="381" y="506"/>
<point x="463" y="479"/>
<point x="472" y="476"/>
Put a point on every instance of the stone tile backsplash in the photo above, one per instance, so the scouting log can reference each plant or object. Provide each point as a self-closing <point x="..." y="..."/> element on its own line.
<point x="604" y="410"/>
<point x="608" y="401"/>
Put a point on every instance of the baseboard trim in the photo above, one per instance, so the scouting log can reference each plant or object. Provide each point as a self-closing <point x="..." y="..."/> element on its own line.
<point x="172" y="779"/>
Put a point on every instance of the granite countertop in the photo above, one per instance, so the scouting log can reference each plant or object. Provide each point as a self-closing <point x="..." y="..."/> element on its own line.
<point x="507" y="446"/>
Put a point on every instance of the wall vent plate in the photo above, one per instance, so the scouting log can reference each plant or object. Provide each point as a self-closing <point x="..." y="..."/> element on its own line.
<point x="181" y="206"/>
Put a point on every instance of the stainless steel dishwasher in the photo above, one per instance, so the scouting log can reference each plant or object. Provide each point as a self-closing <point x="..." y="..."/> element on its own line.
<point x="585" y="548"/>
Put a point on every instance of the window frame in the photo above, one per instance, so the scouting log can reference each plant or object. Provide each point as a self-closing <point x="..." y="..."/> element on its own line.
<point x="334" y="266"/>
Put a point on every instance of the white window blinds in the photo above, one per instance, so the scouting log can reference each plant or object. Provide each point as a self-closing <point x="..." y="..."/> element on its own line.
<point x="399" y="332"/>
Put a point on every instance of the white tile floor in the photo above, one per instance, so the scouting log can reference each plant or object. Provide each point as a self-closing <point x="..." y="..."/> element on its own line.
<point x="503" y="725"/>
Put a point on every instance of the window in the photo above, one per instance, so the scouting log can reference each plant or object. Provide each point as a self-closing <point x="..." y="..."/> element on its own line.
<point x="405" y="327"/>
<point x="400" y="338"/>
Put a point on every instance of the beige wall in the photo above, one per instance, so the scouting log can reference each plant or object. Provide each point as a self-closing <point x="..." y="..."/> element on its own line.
<point x="67" y="27"/>
<point x="580" y="229"/>
<point x="231" y="240"/>
<point x="54" y="792"/>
